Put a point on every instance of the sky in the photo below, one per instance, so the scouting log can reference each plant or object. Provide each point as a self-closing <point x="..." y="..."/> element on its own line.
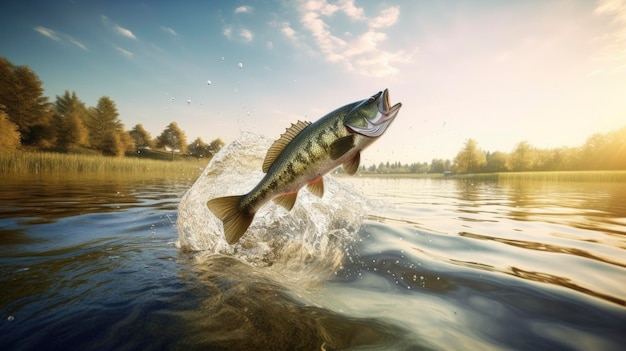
<point x="549" y="72"/>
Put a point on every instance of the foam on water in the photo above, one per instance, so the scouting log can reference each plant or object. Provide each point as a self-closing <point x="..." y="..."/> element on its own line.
<point x="316" y="229"/>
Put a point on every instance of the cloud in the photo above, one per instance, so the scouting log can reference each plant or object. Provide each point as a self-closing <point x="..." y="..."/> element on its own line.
<point x="117" y="28"/>
<point x="288" y="32"/>
<point x="228" y="32"/>
<point x="246" y="35"/>
<point x="352" y="11"/>
<point x="359" y="52"/>
<point x="243" y="9"/>
<point x="49" y="33"/>
<point x="169" y="30"/>
<point x="77" y="43"/>
<point x="387" y="18"/>
<point x="124" y="52"/>
<point x="124" y="32"/>
<point x="330" y="45"/>
<point x="612" y="56"/>
<point x="615" y="8"/>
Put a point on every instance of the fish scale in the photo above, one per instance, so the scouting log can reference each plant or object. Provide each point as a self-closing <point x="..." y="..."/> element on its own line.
<point x="303" y="154"/>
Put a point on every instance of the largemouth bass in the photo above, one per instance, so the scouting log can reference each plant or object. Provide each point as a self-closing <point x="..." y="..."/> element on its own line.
<point x="303" y="154"/>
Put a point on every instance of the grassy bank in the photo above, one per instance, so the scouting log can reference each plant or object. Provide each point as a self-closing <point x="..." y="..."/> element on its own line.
<point x="44" y="163"/>
<point x="570" y="176"/>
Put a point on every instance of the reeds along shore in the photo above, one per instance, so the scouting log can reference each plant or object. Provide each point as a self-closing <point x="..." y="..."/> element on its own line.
<point x="42" y="163"/>
<point x="547" y="176"/>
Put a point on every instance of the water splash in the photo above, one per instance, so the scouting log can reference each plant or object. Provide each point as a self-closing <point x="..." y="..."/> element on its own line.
<point x="316" y="230"/>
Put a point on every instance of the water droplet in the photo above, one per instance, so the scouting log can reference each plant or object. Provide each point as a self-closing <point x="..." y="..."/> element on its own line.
<point x="10" y="318"/>
<point x="172" y="99"/>
<point x="240" y="65"/>
<point x="209" y="82"/>
<point x="188" y="101"/>
<point x="222" y="58"/>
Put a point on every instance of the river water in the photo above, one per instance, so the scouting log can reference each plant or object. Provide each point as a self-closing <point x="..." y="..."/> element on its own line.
<point x="376" y="264"/>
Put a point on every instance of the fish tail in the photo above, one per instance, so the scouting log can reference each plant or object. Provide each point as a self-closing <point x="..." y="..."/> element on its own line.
<point x="235" y="221"/>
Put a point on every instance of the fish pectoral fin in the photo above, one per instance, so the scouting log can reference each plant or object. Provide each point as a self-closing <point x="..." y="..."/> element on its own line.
<point x="279" y="145"/>
<point x="235" y="221"/>
<point x="352" y="165"/>
<point x="286" y="200"/>
<point x="316" y="187"/>
<point x="340" y="146"/>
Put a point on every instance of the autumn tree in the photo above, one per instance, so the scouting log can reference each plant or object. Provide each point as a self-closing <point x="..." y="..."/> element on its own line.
<point x="103" y="123"/>
<point x="173" y="138"/>
<point x="522" y="158"/>
<point x="9" y="134"/>
<point x="70" y="115"/>
<point x="111" y="144"/>
<point x="21" y="92"/>
<point x="470" y="158"/>
<point x="141" y="137"/>
<point x="605" y="151"/>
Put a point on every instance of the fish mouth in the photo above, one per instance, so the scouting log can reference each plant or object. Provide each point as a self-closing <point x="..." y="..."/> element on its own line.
<point x="386" y="114"/>
<point x="384" y="109"/>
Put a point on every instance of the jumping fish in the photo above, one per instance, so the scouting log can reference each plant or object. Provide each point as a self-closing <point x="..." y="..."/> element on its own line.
<point x="303" y="154"/>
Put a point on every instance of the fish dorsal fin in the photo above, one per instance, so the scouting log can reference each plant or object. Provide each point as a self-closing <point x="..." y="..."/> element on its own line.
<point x="352" y="165"/>
<point x="286" y="200"/>
<point x="340" y="146"/>
<point x="279" y="145"/>
<point x="316" y="187"/>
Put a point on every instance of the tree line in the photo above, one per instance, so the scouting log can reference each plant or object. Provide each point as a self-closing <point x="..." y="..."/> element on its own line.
<point x="601" y="151"/>
<point x="28" y="119"/>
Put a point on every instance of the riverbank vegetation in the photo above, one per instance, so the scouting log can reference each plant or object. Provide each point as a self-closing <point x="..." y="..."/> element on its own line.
<point x="33" y="130"/>
<point x="547" y="176"/>
<point x="24" y="163"/>
<point x="29" y="121"/>
<point x="601" y="152"/>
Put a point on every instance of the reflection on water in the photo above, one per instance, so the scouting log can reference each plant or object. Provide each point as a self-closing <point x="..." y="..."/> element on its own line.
<point x="247" y="309"/>
<point x="557" y="233"/>
<point x="437" y="264"/>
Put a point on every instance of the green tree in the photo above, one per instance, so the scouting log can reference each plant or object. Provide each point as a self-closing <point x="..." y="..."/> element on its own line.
<point x="215" y="146"/>
<point x="173" y="138"/>
<point x="141" y="137"/>
<point x="21" y="92"/>
<point x="496" y="162"/>
<point x="9" y="134"/>
<point x="197" y="148"/>
<point x="103" y="120"/>
<point x="470" y="158"/>
<point x="437" y="165"/>
<point x="522" y="158"/>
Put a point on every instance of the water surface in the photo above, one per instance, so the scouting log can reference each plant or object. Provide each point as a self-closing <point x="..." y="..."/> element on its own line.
<point x="433" y="264"/>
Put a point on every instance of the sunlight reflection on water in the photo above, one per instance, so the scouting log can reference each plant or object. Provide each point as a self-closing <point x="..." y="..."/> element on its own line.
<point x="436" y="264"/>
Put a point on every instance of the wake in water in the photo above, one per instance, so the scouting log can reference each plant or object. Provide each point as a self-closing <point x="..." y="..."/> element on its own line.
<point x="315" y="229"/>
<point x="264" y="291"/>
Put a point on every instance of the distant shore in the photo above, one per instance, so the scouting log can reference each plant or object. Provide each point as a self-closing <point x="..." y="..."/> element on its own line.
<point x="558" y="176"/>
